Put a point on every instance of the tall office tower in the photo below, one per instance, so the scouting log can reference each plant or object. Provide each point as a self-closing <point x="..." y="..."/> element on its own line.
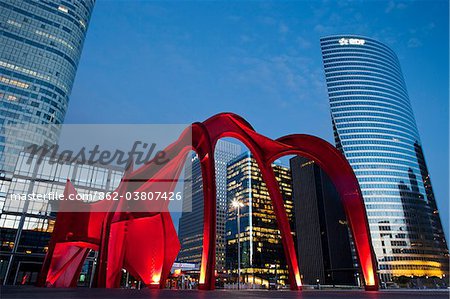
<point x="190" y="228"/>
<point x="262" y="256"/>
<point x="374" y="127"/>
<point x="323" y="243"/>
<point x="41" y="43"/>
<point x="25" y="236"/>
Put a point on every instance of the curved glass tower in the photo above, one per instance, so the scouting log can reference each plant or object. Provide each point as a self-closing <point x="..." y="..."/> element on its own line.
<point x="40" y="46"/>
<point x="41" y="43"/>
<point x="375" y="128"/>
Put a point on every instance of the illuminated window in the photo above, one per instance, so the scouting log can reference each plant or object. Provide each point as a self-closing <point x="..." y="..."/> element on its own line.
<point x="63" y="9"/>
<point x="14" y="82"/>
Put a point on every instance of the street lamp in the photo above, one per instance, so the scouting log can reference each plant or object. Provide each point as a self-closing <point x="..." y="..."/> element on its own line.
<point x="238" y="205"/>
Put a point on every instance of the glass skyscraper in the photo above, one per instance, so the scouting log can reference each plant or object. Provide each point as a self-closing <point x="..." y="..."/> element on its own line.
<point x="41" y="43"/>
<point x="263" y="262"/>
<point x="40" y="47"/>
<point x="374" y="127"/>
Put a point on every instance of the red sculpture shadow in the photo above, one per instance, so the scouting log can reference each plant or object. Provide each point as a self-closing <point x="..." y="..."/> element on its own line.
<point x="145" y="242"/>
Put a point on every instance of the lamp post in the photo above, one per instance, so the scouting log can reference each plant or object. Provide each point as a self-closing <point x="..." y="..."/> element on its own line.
<point x="238" y="205"/>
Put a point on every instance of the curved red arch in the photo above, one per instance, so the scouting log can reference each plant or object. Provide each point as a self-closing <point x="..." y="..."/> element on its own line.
<point x="204" y="137"/>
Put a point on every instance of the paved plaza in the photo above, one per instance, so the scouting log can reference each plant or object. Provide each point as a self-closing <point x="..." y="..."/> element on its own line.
<point x="84" y="293"/>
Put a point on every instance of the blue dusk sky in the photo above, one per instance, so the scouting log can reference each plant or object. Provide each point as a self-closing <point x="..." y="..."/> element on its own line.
<point x="180" y="62"/>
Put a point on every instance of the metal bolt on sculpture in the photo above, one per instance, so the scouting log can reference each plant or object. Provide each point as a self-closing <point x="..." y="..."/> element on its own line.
<point x="145" y="242"/>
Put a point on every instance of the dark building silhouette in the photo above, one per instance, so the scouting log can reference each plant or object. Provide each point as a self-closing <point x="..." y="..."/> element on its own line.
<point x="323" y="241"/>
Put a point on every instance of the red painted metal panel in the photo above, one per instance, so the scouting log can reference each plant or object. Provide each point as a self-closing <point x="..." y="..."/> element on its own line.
<point x="145" y="242"/>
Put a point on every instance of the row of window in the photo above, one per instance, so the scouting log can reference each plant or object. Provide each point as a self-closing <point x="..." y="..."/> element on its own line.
<point x="401" y="173"/>
<point x="70" y="15"/>
<point x="44" y="47"/>
<point x="365" y="90"/>
<point x="372" y="115"/>
<point x="51" y="37"/>
<point x="353" y="65"/>
<point x="369" y="147"/>
<point x="366" y="74"/>
<point x="358" y="65"/>
<point x="388" y="142"/>
<point x="363" y="99"/>
<point x="56" y="108"/>
<point x="383" y="179"/>
<point x="381" y="138"/>
<point x="373" y="121"/>
<point x="359" y="58"/>
<point x="393" y="133"/>
<point x="381" y="187"/>
<point x="369" y="81"/>
<point x="383" y="195"/>
<point x="337" y="70"/>
<point x="58" y="71"/>
<point x="362" y="53"/>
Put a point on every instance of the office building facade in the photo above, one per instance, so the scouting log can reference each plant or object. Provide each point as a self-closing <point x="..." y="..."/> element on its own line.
<point x="190" y="230"/>
<point x="26" y="225"/>
<point x="262" y="256"/>
<point x="323" y="243"/>
<point x="375" y="129"/>
<point x="41" y="44"/>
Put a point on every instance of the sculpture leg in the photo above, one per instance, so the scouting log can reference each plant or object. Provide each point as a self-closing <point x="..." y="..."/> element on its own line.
<point x="65" y="266"/>
<point x="207" y="269"/>
<point x="171" y="246"/>
<point x="144" y="249"/>
<point x="42" y="279"/>
<point x="356" y="216"/>
<point x="116" y="251"/>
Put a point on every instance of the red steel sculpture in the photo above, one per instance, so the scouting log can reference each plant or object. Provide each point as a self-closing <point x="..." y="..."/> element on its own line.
<point x="145" y="242"/>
